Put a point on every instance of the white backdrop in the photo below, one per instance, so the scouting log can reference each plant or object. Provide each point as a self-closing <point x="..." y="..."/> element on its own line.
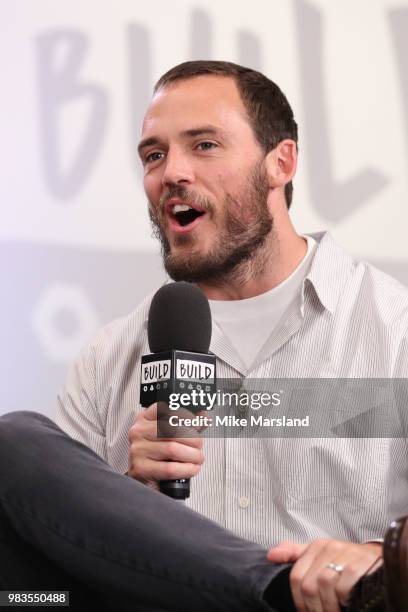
<point x="75" y="243"/>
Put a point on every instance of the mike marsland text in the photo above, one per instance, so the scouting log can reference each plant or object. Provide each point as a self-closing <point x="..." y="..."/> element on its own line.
<point x="255" y="420"/>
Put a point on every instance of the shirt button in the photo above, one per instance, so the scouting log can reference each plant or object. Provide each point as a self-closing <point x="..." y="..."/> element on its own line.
<point x="243" y="502"/>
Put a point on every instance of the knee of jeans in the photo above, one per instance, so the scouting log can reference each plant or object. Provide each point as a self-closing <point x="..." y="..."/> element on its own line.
<point x="14" y="425"/>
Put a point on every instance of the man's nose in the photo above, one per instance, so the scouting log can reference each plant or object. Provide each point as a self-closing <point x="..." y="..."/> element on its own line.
<point x="178" y="169"/>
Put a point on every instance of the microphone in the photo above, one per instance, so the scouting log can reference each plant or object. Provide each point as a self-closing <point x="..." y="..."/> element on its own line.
<point x="179" y="334"/>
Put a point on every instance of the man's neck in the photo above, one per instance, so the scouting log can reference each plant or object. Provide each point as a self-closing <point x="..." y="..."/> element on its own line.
<point x="277" y="259"/>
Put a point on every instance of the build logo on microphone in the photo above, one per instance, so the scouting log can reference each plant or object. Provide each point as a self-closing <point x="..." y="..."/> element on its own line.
<point x="175" y="372"/>
<point x="195" y="371"/>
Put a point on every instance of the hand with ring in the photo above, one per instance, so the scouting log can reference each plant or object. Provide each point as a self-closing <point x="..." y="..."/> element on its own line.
<point x="336" y="567"/>
<point x="325" y="571"/>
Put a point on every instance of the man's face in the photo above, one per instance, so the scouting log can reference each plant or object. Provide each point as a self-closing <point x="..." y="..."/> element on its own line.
<point x="204" y="178"/>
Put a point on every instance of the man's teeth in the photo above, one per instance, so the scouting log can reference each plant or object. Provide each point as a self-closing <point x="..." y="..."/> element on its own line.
<point x="181" y="208"/>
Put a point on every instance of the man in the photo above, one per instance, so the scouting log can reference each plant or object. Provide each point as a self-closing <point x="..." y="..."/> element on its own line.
<point x="219" y="151"/>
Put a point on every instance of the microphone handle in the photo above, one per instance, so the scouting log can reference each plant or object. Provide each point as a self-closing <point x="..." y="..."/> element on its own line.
<point x="177" y="489"/>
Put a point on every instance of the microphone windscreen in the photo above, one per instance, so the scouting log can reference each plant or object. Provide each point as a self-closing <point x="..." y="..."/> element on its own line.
<point x="179" y="318"/>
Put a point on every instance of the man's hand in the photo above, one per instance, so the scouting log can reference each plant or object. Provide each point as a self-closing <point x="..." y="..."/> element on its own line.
<point x="152" y="459"/>
<point x="317" y="588"/>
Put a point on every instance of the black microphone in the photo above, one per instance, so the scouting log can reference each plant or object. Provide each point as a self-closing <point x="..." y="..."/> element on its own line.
<point x="179" y="333"/>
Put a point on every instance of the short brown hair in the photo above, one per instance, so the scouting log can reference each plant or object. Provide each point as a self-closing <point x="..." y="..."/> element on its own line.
<point x="269" y="111"/>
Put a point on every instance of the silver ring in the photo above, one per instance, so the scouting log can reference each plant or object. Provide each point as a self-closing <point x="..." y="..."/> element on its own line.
<point x="336" y="567"/>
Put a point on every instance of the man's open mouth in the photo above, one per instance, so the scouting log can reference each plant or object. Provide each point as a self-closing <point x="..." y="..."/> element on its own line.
<point x="185" y="214"/>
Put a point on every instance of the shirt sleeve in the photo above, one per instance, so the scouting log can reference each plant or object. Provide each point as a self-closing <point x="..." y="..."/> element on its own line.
<point x="77" y="413"/>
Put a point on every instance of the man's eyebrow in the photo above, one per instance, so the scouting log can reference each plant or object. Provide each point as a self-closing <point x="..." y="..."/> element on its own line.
<point x="204" y="129"/>
<point x="198" y="131"/>
<point x="147" y="142"/>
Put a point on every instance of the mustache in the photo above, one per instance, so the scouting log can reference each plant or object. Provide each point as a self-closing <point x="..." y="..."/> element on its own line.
<point x="186" y="196"/>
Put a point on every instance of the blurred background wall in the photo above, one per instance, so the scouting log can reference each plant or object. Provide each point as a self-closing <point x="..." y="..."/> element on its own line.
<point x="76" y="76"/>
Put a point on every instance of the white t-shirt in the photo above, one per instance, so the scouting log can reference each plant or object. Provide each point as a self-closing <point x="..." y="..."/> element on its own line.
<point x="248" y="323"/>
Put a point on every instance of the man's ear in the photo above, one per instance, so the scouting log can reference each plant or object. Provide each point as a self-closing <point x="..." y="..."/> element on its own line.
<point x="281" y="163"/>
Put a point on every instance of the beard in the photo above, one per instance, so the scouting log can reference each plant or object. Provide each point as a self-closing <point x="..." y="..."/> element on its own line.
<point x="242" y="232"/>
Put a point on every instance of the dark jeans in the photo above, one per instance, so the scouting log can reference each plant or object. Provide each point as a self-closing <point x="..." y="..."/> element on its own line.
<point x="69" y="522"/>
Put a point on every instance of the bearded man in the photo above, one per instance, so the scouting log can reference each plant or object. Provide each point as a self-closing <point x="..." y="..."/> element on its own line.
<point x="219" y="152"/>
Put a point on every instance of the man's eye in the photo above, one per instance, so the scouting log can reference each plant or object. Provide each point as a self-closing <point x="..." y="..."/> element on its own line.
<point x="205" y="146"/>
<point x="152" y="157"/>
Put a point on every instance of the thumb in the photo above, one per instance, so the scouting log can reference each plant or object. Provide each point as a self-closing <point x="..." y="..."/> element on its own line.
<point x="286" y="552"/>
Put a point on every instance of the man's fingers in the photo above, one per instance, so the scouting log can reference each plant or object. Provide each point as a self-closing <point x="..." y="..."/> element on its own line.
<point x="145" y="428"/>
<point x="179" y="423"/>
<point x="286" y="552"/>
<point x="355" y="567"/>
<point x="303" y="584"/>
<point x="318" y="587"/>
<point x="166" y="470"/>
<point x="150" y="414"/>
<point x="172" y="450"/>
<point x="153" y="458"/>
<point x="159" y="414"/>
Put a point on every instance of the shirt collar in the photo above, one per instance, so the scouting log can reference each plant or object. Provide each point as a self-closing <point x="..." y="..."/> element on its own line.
<point x="330" y="270"/>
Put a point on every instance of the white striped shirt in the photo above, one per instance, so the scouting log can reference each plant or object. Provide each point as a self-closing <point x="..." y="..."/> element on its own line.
<point x="351" y="321"/>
